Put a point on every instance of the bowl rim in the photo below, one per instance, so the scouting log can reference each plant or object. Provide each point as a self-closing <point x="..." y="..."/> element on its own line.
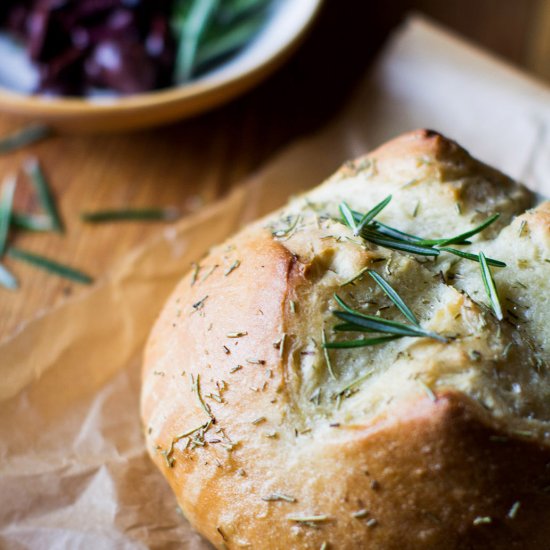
<point x="270" y="46"/>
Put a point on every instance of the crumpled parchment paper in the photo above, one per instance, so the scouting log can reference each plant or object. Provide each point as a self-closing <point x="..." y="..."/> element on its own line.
<point x="73" y="468"/>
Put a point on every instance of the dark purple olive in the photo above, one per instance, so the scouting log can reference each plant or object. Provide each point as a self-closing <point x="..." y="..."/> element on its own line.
<point x="123" y="45"/>
<point x="123" y="66"/>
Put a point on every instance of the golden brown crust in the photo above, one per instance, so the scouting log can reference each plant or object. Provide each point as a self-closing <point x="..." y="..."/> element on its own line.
<point x="234" y="352"/>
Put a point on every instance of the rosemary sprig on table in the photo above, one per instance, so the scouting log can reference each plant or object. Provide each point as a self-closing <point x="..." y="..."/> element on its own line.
<point x="131" y="214"/>
<point x="49" y="265"/>
<point x="490" y="287"/>
<point x="6" y="207"/>
<point x="40" y="183"/>
<point x="31" y="222"/>
<point x="7" y="280"/>
<point x="24" y="137"/>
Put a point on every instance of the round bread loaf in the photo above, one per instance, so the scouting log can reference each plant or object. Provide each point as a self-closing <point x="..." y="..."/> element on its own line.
<point x="272" y="437"/>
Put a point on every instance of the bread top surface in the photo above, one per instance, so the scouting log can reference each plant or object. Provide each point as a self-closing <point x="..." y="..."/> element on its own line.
<point x="256" y="434"/>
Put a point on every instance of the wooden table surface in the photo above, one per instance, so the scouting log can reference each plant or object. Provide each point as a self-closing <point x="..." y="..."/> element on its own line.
<point x="196" y="161"/>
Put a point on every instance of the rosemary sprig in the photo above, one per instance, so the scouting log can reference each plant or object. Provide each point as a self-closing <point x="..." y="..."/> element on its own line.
<point x="49" y="265"/>
<point x="390" y="237"/>
<point x="131" y="214"/>
<point x="31" y="222"/>
<point x="473" y="257"/>
<point x="7" y="279"/>
<point x="24" y="137"/>
<point x="459" y="239"/>
<point x="380" y="239"/>
<point x="40" y="183"/>
<point x="6" y="206"/>
<point x="356" y="221"/>
<point x="393" y="296"/>
<point x="191" y="22"/>
<point x="288" y="231"/>
<point x="347" y="217"/>
<point x="377" y="324"/>
<point x="490" y="287"/>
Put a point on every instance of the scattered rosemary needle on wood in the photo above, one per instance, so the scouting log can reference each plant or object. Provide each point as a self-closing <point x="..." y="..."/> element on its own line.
<point x="490" y="287"/>
<point x="7" y="279"/>
<point x="131" y="214"/>
<point x="6" y="206"/>
<point x="40" y="183"/>
<point x="51" y="266"/>
<point x="31" y="222"/>
<point x="24" y="137"/>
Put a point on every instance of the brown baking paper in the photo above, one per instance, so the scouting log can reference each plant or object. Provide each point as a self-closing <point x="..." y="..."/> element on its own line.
<point x="73" y="467"/>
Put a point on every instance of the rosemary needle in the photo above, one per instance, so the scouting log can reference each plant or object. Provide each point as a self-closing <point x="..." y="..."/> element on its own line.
<point x="6" y="205"/>
<point x="31" y="222"/>
<point x="7" y="280"/>
<point x="24" y="137"/>
<point x="49" y="265"/>
<point x="490" y="287"/>
<point x="393" y="296"/>
<point x="45" y="195"/>
<point x="131" y="214"/>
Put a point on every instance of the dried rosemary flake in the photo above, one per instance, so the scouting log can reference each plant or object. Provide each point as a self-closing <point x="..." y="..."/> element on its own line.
<point x="327" y="355"/>
<point x="235" y="369"/>
<point x="482" y="520"/>
<point x="514" y="509"/>
<point x="232" y="267"/>
<point x="209" y="272"/>
<point x="324" y="546"/>
<point x="372" y="522"/>
<point x="522" y="228"/>
<point x="237" y="334"/>
<point x="429" y="392"/>
<point x="355" y="277"/>
<point x="222" y="534"/>
<point x="200" y="304"/>
<point x="271" y="435"/>
<point x="289" y="230"/>
<point x="274" y="497"/>
<point x="196" y="387"/>
<point x="292" y="305"/>
<point x="215" y="397"/>
<point x="360" y="514"/>
<point x="308" y="519"/>
<point x="195" y="275"/>
<point x="256" y="361"/>
<point x="259" y="420"/>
